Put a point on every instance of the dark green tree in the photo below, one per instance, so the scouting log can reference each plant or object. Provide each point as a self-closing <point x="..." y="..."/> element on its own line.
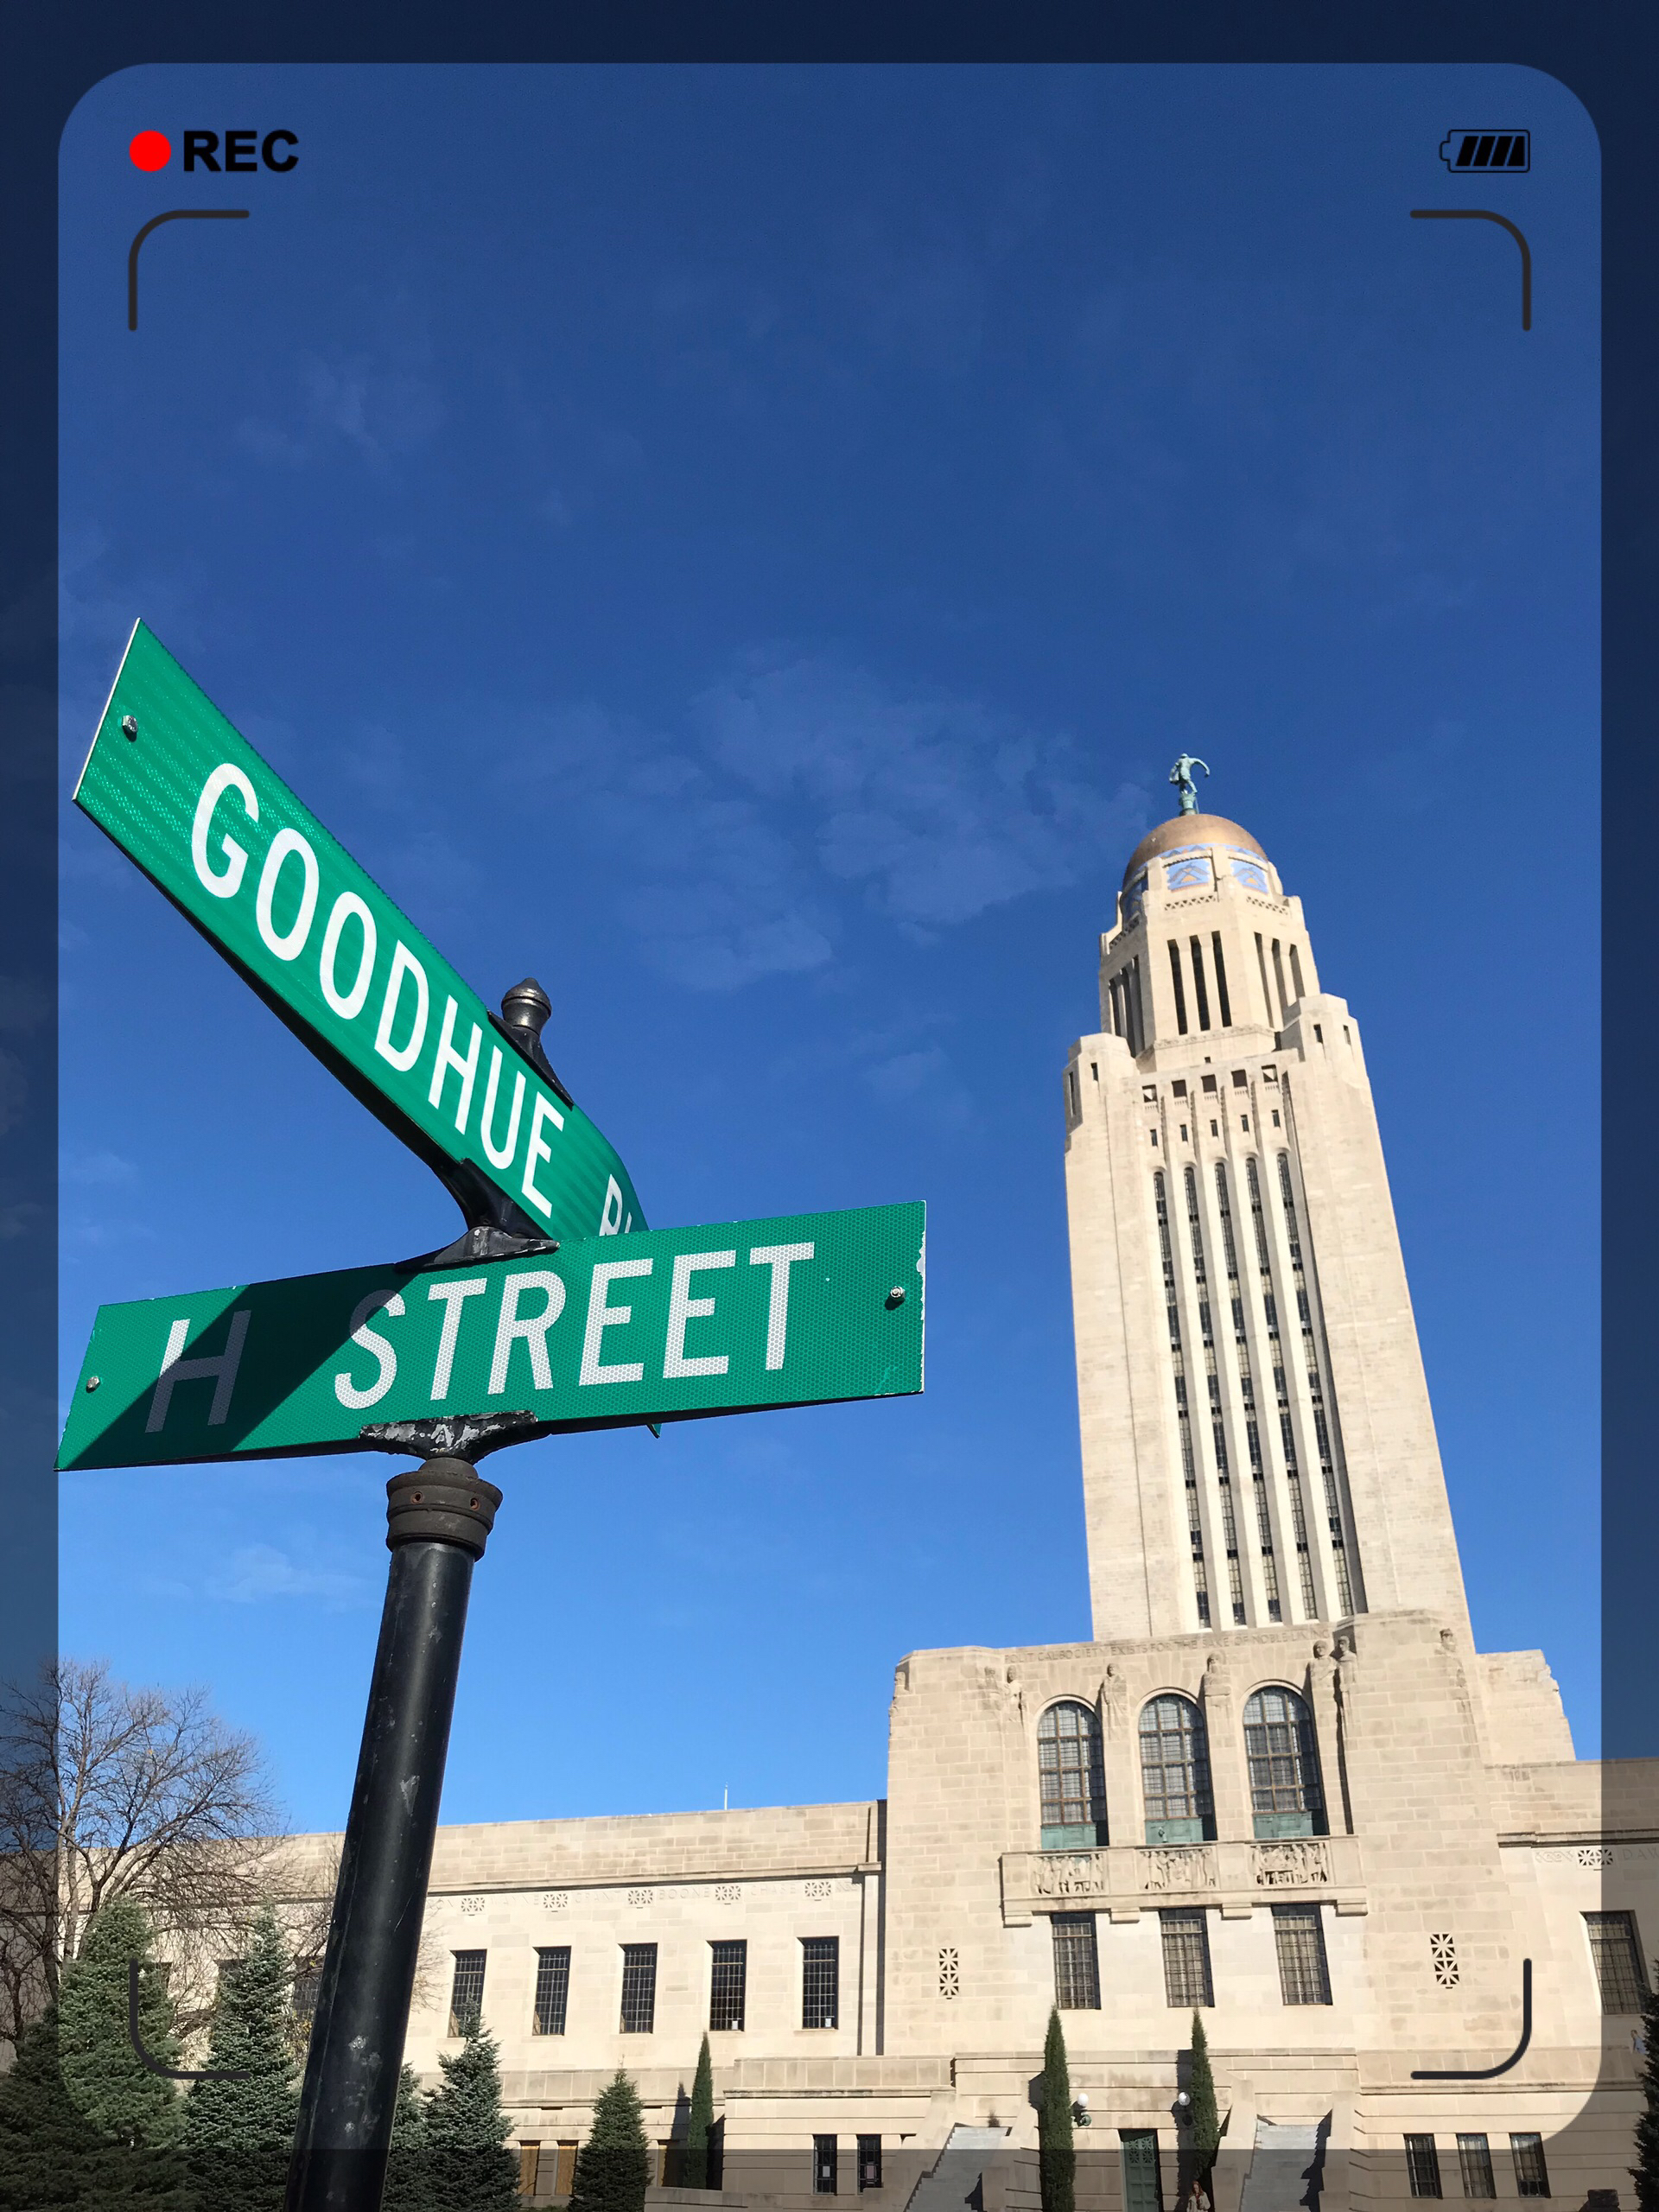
<point x="1202" y="2119"/>
<point x="613" y="2165"/>
<point x="104" y="2076"/>
<point x="468" y="2167"/>
<point x="1645" y="2172"/>
<point x="694" y="2162"/>
<point x="237" y="2134"/>
<point x="50" y="2153"/>
<point x="406" y="2187"/>
<point x="1056" y="2156"/>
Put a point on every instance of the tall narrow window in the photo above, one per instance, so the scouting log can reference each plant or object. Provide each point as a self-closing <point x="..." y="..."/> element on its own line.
<point x="820" y="1980"/>
<point x="1475" y="2159"/>
<point x="1180" y="993"/>
<point x="1221" y="979"/>
<point x="1187" y="1960"/>
<point x="1619" y="1972"/>
<point x="1247" y="1391"/>
<point x="1279" y="978"/>
<point x="1323" y="1423"/>
<point x="1298" y="1937"/>
<point x="1296" y="973"/>
<point x="1422" y="2165"/>
<point x="1531" y="2175"/>
<point x="1200" y="996"/>
<point x="869" y="2162"/>
<point x="639" y="1988"/>
<point x="552" y="1988"/>
<point x="1137" y="1009"/>
<point x="1175" y="1772"/>
<point x="825" y="2164"/>
<point x="1072" y="1777"/>
<point x="1183" y="1411"/>
<point x="1281" y="1393"/>
<point x="1212" y="1384"/>
<point x="1284" y="1763"/>
<point x="1114" y="1002"/>
<point x="467" y="1993"/>
<point x="1077" y="1963"/>
<point x="307" y="1987"/>
<point x="728" y="1977"/>
<point x="1261" y="963"/>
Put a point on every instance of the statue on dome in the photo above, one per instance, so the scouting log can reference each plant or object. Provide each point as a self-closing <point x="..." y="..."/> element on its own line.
<point x="1181" y="776"/>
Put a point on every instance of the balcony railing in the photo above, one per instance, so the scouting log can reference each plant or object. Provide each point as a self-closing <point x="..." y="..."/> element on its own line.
<point x="1127" y="1879"/>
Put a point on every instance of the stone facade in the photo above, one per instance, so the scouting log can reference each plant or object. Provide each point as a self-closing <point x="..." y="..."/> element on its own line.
<point x="1267" y="1517"/>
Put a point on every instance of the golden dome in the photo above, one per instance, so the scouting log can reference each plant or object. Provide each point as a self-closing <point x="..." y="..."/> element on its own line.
<point x="1190" y="829"/>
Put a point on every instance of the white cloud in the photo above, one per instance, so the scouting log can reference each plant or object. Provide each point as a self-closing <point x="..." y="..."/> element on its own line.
<point x="98" y="1170"/>
<point x="259" y="1572"/>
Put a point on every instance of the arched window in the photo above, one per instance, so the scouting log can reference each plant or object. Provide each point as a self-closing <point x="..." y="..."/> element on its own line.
<point x="1175" y="1772"/>
<point x="1073" y="1781"/>
<point x="1286" y="1797"/>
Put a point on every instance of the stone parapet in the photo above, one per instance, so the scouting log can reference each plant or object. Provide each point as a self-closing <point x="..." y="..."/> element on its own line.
<point x="1127" y="1879"/>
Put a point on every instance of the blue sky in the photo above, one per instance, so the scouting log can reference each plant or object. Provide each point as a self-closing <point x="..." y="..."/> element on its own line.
<point x="744" y="546"/>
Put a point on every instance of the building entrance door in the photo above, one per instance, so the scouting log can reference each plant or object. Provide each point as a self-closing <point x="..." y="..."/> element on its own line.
<point x="1142" y="2189"/>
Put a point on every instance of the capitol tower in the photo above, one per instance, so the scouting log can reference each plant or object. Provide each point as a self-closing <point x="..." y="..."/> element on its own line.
<point x="1257" y="1442"/>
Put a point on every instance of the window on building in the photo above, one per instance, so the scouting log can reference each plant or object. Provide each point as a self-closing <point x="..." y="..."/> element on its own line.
<point x="1187" y="1958"/>
<point x="1175" y="1772"/>
<point x="1296" y="972"/>
<point x="1422" y="2165"/>
<point x="1298" y="1937"/>
<point x="820" y="1980"/>
<point x="639" y="1988"/>
<point x="1240" y="1079"/>
<point x="1071" y="1776"/>
<point x="307" y="1987"/>
<point x="869" y="2162"/>
<point x="1286" y="1798"/>
<point x="1221" y="979"/>
<point x="1279" y="978"/>
<point x="823" y="2165"/>
<point x="1177" y="1088"/>
<point x="728" y="1983"/>
<point x="1619" y="1960"/>
<point x="1180" y="991"/>
<point x="1200" y="996"/>
<point x="552" y="1988"/>
<point x="564" y="2169"/>
<point x="1077" y="1963"/>
<point x="1531" y="2175"/>
<point x="1209" y="1084"/>
<point x="1475" y="2160"/>
<point x="467" y="1993"/>
<point x="530" y="2168"/>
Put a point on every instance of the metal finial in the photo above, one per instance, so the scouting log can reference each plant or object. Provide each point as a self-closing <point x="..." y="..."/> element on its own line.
<point x="1181" y="776"/>
<point x="527" y="1006"/>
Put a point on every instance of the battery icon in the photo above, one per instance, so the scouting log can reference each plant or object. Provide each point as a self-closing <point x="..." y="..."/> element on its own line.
<point x="1487" y="149"/>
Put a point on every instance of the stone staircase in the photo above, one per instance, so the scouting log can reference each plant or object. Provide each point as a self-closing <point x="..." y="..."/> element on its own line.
<point x="954" y="2178"/>
<point x="1286" y="2166"/>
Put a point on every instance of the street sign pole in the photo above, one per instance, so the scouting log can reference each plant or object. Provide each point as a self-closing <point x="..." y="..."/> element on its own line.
<point x="438" y="1517"/>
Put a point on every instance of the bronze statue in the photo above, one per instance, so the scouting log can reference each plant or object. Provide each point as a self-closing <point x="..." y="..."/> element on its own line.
<point x="1181" y="776"/>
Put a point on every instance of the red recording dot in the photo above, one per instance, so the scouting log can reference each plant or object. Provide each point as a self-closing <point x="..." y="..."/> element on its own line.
<point x="151" y="149"/>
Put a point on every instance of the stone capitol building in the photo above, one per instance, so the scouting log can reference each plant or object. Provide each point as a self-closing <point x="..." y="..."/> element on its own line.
<point x="1280" y="1784"/>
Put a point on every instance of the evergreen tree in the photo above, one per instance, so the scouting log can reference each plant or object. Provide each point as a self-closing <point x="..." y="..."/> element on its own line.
<point x="467" y="2166"/>
<point x="1056" y="2156"/>
<point x="406" y="2187"/>
<point x="1204" y="2122"/>
<point x="50" y="2151"/>
<point x="239" y="2135"/>
<point x="613" y="2165"/>
<point x="694" y="2164"/>
<point x="132" y="2116"/>
<point x="1645" y="2172"/>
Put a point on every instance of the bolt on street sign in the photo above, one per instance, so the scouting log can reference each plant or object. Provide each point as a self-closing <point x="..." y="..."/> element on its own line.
<point x="187" y="797"/>
<point x="806" y="1309"/>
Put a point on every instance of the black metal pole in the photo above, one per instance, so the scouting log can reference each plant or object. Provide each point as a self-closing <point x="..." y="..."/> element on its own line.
<point x="437" y="1518"/>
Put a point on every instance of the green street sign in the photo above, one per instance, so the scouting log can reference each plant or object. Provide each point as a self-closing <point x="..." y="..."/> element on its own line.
<point x="188" y="798"/>
<point x="680" y="1323"/>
